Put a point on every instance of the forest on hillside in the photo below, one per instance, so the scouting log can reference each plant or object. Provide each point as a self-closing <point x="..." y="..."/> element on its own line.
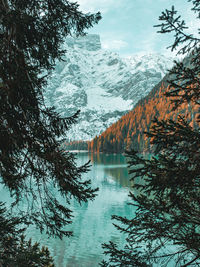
<point x="129" y="131"/>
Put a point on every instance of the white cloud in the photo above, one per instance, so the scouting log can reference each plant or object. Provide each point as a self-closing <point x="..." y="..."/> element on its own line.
<point x="114" y="44"/>
<point x="96" y="5"/>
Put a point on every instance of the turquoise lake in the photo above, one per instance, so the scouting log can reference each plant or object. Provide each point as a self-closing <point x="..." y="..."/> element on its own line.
<point x="92" y="224"/>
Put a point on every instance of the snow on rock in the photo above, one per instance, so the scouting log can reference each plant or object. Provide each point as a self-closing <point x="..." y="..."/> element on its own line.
<point x="101" y="84"/>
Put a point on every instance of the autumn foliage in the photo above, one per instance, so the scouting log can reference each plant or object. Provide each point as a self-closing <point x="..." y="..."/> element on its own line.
<point x="129" y="131"/>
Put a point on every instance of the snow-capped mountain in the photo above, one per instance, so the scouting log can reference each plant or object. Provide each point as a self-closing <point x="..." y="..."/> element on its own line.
<point x="101" y="84"/>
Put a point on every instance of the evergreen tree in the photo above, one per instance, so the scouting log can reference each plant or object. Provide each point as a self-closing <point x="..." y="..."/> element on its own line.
<point x="166" y="224"/>
<point x="31" y="164"/>
<point x="14" y="250"/>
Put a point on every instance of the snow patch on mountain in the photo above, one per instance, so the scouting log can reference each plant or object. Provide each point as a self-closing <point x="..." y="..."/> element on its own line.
<point x="100" y="83"/>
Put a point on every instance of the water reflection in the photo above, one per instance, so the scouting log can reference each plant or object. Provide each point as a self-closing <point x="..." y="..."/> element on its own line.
<point x="92" y="223"/>
<point x="115" y="168"/>
<point x="107" y="159"/>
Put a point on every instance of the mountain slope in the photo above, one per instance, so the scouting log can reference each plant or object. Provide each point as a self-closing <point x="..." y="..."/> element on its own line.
<point x="128" y="132"/>
<point x="101" y="84"/>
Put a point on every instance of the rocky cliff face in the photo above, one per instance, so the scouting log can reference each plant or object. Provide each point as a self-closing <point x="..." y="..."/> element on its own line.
<point x="101" y="84"/>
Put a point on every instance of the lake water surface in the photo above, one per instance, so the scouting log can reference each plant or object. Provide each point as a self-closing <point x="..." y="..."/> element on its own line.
<point x="92" y="223"/>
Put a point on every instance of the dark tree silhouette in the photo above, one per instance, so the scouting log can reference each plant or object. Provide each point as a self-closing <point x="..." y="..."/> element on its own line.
<point x="14" y="250"/>
<point x="166" y="224"/>
<point x="31" y="164"/>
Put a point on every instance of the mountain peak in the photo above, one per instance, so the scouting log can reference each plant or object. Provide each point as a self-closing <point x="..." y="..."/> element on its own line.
<point x="89" y="42"/>
<point x="100" y="83"/>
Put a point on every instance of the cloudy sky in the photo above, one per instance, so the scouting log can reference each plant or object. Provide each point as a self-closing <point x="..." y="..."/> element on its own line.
<point x="127" y="25"/>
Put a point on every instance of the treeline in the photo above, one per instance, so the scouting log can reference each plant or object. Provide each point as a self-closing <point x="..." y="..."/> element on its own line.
<point x="128" y="132"/>
<point x="75" y="145"/>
